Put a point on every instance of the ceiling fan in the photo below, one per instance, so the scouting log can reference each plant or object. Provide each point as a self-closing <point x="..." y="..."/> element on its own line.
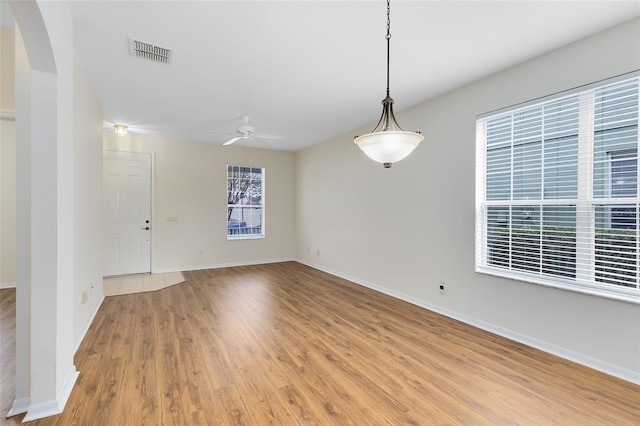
<point x="244" y="131"/>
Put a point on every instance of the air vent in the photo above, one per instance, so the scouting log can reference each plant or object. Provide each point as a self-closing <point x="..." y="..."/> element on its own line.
<point x="142" y="49"/>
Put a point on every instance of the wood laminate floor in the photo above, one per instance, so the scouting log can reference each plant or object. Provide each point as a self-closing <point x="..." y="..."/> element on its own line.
<point x="285" y="344"/>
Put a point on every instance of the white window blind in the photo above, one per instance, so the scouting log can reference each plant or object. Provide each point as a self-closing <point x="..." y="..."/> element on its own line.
<point x="557" y="191"/>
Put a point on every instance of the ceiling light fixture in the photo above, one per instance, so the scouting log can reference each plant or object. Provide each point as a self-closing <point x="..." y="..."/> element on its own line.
<point x="388" y="143"/>
<point x="120" y="129"/>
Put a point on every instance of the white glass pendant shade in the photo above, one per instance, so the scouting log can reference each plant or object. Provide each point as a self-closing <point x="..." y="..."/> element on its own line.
<point x="388" y="143"/>
<point x="388" y="147"/>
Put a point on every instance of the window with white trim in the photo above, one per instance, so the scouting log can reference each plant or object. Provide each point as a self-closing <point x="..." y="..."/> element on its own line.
<point x="245" y="202"/>
<point x="557" y="191"/>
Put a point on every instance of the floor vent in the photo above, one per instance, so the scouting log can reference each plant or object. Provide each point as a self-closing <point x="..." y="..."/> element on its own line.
<point x="144" y="50"/>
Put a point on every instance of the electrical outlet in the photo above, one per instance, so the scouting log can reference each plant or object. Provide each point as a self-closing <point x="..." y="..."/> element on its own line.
<point x="85" y="296"/>
<point x="318" y="252"/>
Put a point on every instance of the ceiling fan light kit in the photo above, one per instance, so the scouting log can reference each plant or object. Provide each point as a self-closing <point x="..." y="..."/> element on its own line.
<point x="388" y="143"/>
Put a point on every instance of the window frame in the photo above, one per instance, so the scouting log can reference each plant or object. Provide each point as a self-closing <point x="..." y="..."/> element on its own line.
<point x="585" y="280"/>
<point x="246" y="235"/>
<point x="615" y="158"/>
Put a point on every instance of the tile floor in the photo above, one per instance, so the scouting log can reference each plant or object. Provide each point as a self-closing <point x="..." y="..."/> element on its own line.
<point x="139" y="283"/>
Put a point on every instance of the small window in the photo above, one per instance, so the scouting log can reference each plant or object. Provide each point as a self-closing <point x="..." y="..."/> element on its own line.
<point x="245" y="202"/>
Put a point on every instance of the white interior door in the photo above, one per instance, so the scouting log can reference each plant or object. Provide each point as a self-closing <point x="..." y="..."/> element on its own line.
<point x="126" y="194"/>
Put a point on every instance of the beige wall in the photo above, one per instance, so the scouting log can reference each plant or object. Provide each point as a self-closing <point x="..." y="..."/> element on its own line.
<point x="7" y="161"/>
<point x="404" y="230"/>
<point x="7" y="70"/>
<point x="190" y="185"/>
<point x="87" y="201"/>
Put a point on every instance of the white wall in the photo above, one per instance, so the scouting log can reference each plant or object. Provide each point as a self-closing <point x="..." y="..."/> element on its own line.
<point x="7" y="204"/>
<point x="405" y="229"/>
<point x="23" y="227"/>
<point x="190" y="185"/>
<point x="7" y="161"/>
<point x="87" y="163"/>
<point x="52" y="202"/>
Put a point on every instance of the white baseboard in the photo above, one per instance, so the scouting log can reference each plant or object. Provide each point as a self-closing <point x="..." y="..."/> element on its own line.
<point x="19" y="406"/>
<point x="222" y="265"/>
<point x="596" y="364"/>
<point x="7" y="284"/>
<point x="39" y="411"/>
<point x="87" y="325"/>
<point x="51" y="408"/>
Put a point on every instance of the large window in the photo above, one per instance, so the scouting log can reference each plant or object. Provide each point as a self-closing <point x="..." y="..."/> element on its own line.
<point x="557" y="191"/>
<point x="245" y="202"/>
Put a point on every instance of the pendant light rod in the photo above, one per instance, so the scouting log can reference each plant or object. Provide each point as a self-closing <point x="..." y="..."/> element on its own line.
<point x="388" y="37"/>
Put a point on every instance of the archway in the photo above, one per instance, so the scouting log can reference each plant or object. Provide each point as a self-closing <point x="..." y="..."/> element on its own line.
<point x="44" y="201"/>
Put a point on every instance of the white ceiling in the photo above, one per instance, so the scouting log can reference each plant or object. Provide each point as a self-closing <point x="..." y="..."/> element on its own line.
<point x="308" y="70"/>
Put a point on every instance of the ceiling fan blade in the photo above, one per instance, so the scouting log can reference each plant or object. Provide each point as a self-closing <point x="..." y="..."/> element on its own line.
<point x="232" y="140"/>
<point x="215" y="133"/>
<point x="267" y="136"/>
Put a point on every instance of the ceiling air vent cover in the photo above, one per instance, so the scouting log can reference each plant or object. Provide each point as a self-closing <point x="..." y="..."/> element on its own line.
<point x="142" y="49"/>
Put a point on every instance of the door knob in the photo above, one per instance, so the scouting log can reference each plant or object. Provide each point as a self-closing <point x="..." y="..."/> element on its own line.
<point x="145" y="228"/>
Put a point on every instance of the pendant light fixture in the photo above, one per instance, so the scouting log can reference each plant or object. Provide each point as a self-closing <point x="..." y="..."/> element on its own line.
<point x="388" y="143"/>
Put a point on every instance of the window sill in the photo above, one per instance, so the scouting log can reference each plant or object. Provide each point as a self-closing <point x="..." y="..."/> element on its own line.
<point x="622" y="295"/>
<point x="245" y="237"/>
